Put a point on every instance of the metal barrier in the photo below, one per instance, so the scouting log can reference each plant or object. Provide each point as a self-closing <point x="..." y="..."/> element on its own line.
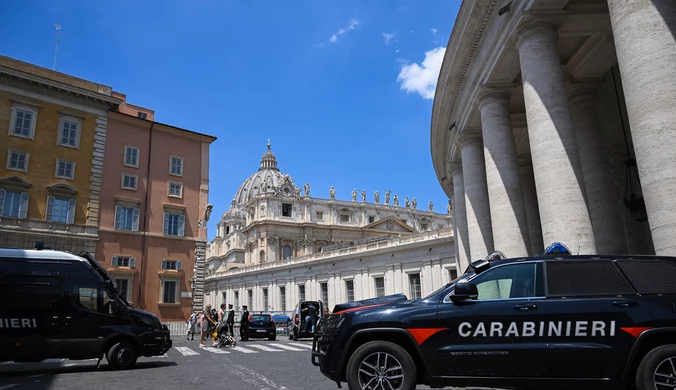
<point x="180" y="328"/>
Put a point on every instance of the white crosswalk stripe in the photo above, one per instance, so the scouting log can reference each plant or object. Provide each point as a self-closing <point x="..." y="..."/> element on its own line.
<point x="309" y="346"/>
<point x="245" y="350"/>
<point x="287" y="347"/>
<point x="264" y="348"/>
<point x="215" y="350"/>
<point x="185" y="351"/>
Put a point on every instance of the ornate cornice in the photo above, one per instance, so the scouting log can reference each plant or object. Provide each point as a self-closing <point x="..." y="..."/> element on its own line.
<point x="54" y="92"/>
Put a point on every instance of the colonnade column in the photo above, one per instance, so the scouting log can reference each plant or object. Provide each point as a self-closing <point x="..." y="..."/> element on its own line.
<point x="479" y="231"/>
<point x="508" y="214"/>
<point x="460" y="218"/>
<point x="644" y="31"/>
<point x="530" y="200"/>
<point x="601" y="197"/>
<point x="556" y="163"/>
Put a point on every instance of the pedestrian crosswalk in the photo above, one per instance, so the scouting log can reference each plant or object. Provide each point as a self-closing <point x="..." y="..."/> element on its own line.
<point x="248" y="349"/>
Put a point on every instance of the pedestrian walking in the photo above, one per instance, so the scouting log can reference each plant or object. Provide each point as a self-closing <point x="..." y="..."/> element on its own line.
<point x="192" y="323"/>
<point x="208" y="325"/>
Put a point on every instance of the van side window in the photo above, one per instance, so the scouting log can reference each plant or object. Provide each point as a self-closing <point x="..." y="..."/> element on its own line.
<point x="94" y="298"/>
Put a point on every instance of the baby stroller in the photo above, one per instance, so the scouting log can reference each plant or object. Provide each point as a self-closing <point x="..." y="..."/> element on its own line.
<point x="224" y="338"/>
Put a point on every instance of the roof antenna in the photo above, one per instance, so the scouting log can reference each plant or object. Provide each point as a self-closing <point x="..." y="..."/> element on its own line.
<point x="578" y="250"/>
<point x="58" y="39"/>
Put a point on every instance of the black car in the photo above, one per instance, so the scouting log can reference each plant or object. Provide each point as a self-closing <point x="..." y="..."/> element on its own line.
<point x="262" y="326"/>
<point x="546" y="322"/>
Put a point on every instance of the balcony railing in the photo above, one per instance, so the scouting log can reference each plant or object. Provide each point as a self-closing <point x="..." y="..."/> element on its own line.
<point x="372" y="246"/>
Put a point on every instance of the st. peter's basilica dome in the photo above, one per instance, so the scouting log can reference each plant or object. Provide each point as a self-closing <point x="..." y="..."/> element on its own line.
<point x="267" y="180"/>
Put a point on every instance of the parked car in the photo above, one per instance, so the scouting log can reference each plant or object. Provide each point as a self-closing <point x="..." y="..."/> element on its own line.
<point x="262" y="326"/>
<point x="297" y="329"/>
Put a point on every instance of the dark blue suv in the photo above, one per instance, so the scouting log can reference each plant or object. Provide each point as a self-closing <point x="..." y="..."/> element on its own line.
<point x="546" y="322"/>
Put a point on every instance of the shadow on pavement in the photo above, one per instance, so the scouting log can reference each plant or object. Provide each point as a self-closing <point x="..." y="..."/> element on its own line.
<point x="55" y="370"/>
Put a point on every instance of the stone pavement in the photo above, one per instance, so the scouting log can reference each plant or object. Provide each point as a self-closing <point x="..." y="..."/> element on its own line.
<point x="253" y="365"/>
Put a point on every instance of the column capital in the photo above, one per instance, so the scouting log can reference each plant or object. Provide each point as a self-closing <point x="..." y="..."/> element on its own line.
<point x="469" y="136"/>
<point x="455" y="167"/>
<point x="579" y="88"/>
<point x="538" y="22"/>
<point x="492" y="92"/>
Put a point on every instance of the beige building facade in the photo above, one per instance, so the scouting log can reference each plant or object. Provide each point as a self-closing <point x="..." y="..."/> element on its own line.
<point x="553" y="121"/>
<point x="278" y="244"/>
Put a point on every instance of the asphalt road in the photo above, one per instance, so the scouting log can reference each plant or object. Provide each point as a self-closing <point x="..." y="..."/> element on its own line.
<point x="252" y="365"/>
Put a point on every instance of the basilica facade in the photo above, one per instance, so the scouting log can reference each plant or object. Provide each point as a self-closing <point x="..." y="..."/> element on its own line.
<point x="273" y="231"/>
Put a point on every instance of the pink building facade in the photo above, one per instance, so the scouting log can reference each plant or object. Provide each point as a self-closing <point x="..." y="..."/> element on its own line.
<point x="154" y="208"/>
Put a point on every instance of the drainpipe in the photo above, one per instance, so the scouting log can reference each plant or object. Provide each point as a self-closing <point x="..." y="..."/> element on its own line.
<point x="146" y="206"/>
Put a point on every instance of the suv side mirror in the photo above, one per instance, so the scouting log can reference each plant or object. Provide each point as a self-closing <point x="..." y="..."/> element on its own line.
<point x="464" y="291"/>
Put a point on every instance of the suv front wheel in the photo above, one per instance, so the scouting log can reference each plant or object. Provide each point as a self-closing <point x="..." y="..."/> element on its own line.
<point x="657" y="370"/>
<point x="381" y="365"/>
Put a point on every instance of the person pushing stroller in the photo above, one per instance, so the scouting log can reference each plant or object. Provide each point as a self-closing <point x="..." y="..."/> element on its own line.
<point x="224" y="332"/>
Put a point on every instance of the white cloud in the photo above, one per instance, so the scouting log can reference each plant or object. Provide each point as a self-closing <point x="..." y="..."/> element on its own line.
<point x="388" y="37"/>
<point x="434" y="30"/>
<point x="351" y="26"/>
<point x="396" y="51"/>
<point x="422" y="78"/>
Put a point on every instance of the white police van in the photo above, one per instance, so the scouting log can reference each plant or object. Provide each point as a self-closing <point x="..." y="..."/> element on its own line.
<point x="59" y="305"/>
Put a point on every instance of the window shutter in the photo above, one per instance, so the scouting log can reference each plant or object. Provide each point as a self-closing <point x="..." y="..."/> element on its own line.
<point x="135" y="215"/>
<point x="49" y="216"/>
<point x="166" y="223"/>
<point x="181" y="225"/>
<point x="132" y="262"/>
<point x="164" y="264"/>
<point x="114" y="261"/>
<point x="71" y="211"/>
<point x="118" y="212"/>
<point x="179" y="265"/>
<point x="23" y="209"/>
<point x="2" y="200"/>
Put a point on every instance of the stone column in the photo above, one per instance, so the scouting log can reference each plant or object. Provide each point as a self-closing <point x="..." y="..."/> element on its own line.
<point x="530" y="200"/>
<point x="600" y="191"/>
<point x="556" y="164"/>
<point x="508" y="215"/>
<point x="646" y="52"/>
<point x="460" y="217"/>
<point x="479" y="231"/>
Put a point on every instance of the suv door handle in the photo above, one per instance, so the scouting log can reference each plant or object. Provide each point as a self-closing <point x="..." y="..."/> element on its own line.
<point x="68" y="321"/>
<point x="625" y="303"/>
<point x="526" y="306"/>
<point x="55" y="320"/>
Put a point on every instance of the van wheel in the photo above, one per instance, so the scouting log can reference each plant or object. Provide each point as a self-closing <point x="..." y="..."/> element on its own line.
<point x="657" y="370"/>
<point x="381" y="364"/>
<point x="122" y="355"/>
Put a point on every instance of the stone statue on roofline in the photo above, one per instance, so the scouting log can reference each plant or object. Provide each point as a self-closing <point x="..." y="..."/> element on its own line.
<point x="363" y="196"/>
<point x="354" y="195"/>
<point x="332" y="192"/>
<point x="376" y="197"/>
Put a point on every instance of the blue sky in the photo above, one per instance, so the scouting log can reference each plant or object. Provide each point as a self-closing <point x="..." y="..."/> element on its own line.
<point x="342" y="88"/>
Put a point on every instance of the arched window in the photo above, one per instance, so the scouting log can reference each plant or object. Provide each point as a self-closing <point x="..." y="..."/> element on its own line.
<point x="286" y="252"/>
<point x="262" y="256"/>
